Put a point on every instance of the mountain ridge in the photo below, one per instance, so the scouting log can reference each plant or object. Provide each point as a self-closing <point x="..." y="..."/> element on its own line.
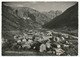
<point x="69" y="18"/>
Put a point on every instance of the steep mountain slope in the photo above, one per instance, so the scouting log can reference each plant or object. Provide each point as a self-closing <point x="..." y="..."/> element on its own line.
<point x="9" y="21"/>
<point x="52" y="14"/>
<point x="67" y="20"/>
<point x="24" y="12"/>
<point x="21" y="18"/>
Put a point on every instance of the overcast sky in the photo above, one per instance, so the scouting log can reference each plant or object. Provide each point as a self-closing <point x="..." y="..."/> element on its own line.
<point x="43" y="6"/>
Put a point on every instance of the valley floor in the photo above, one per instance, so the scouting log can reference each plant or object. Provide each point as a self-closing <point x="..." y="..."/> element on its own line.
<point x="20" y="45"/>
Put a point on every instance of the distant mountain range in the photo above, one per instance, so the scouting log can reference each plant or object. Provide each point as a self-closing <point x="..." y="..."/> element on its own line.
<point x="67" y="20"/>
<point x="52" y="14"/>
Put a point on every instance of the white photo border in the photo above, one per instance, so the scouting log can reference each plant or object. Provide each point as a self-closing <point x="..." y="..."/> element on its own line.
<point x="39" y="1"/>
